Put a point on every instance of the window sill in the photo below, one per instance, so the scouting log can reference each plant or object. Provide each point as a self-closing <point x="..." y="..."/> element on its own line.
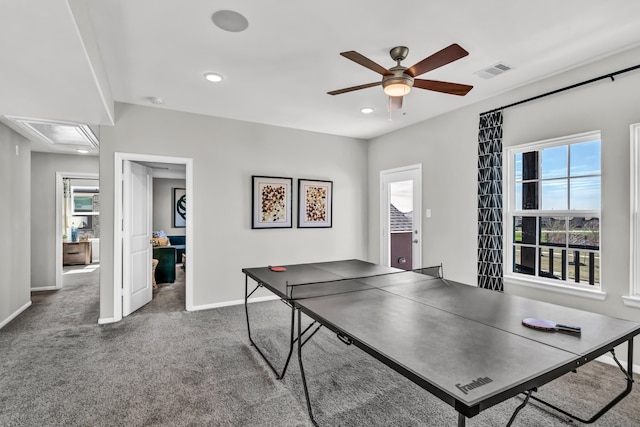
<point x="559" y="288"/>
<point x="631" y="301"/>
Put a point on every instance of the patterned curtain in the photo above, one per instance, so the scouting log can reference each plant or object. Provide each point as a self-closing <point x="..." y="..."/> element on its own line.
<point x="66" y="205"/>
<point x="490" y="201"/>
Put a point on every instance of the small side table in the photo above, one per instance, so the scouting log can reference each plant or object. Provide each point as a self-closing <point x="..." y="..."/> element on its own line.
<point x="76" y="253"/>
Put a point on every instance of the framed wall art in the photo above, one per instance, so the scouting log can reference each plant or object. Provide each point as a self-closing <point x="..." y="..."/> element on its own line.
<point x="315" y="203"/>
<point x="85" y="200"/>
<point x="271" y="202"/>
<point x="179" y="208"/>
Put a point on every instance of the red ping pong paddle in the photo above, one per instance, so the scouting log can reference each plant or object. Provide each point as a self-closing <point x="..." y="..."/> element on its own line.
<point x="548" y="325"/>
<point x="278" y="269"/>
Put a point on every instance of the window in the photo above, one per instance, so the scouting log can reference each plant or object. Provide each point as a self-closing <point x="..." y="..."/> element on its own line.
<point x="552" y="232"/>
<point x="633" y="299"/>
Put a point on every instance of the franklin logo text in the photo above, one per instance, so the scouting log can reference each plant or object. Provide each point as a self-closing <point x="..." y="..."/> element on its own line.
<point x="466" y="388"/>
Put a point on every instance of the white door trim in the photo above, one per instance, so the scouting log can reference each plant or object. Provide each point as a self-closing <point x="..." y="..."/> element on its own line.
<point x="59" y="193"/>
<point x="119" y="157"/>
<point x="385" y="176"/>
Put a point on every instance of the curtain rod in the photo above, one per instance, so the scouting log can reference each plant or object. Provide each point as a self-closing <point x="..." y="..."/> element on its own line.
<point x="605" y="76"/>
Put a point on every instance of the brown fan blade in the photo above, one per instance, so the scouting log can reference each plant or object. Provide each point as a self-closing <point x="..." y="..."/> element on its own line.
<point x="365" y="62"/>
<point x="438" y="59"/>
<point x="444" y="87"/>
<point x="395" y="103"/>
<point x="351" y="89"/>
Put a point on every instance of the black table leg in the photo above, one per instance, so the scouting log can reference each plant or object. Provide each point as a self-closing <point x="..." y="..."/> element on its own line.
<point x="292" y="336"/>
<point x="629" y="379"/>
<point x="304" y="379"/>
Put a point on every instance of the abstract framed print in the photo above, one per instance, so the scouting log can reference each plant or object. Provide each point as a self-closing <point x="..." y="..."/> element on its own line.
<point x="271" y="202"/>
<point x="315" y="203"/>
<point x="179" y="208"/>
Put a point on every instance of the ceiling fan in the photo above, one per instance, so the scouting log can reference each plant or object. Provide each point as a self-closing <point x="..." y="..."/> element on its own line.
<point x="397" y="81"/>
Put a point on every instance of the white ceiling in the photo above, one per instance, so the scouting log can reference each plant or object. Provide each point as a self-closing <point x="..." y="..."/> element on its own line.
<point x="71" y="59"/>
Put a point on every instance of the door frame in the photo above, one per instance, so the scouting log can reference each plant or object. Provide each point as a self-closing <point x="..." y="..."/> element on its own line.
<point x="118" y="214"/>
<point x="386" y="177"/>
<point x="60" y="176"/>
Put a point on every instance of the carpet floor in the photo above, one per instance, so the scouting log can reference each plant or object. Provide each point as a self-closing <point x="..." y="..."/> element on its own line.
<point x="163" y="366"/>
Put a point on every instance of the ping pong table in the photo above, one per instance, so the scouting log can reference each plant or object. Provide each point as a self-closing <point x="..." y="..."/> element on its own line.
<point x="463" y="344"/>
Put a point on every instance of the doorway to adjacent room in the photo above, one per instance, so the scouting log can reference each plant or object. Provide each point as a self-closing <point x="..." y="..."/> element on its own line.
<point x="77" y="208"/>
<point x="133" y="200"/>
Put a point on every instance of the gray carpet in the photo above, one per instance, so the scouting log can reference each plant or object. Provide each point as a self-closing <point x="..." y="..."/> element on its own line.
<point x="163" y="366"/>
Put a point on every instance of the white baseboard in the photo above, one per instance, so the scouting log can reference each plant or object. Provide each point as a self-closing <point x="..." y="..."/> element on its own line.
<point x="45" y="288"/>
<point x="230" y="303"/>
<point x="105" y="320"/>
<point x="609" y="361"/>
<point x="15" y="314"/>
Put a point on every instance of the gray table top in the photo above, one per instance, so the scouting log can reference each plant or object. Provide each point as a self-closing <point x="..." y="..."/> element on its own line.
<point x="464" y="344"/>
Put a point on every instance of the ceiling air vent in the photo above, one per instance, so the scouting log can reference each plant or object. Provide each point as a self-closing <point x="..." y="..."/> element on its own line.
<point x="492" y="71"/>
<point x="58" y="133"/>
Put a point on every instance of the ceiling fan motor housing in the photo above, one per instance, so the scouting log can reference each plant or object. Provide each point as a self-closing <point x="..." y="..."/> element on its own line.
<point x="397" y="84"/>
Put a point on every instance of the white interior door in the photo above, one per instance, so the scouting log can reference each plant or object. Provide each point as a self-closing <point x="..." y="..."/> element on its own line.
<point x="400" y="217"/>
<point x="136" y="236"/>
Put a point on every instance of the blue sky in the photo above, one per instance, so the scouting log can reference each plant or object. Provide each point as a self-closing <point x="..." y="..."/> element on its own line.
<point x="563" y="177"/>
<point x="402" y="195"/>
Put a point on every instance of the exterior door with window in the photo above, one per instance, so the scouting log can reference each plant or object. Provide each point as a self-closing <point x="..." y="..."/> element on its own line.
<point x="401" y="222"/>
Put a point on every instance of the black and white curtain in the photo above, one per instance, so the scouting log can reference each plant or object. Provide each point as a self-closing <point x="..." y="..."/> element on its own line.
<point x="67" y="211"/>
<point x="490" y="201"/>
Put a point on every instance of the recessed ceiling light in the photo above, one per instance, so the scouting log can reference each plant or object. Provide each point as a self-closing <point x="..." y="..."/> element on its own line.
<point x="230" y="20"/>
<point x="82" y="151"/>
<point x="213" y="77"/>
<point x="367" y="110"/>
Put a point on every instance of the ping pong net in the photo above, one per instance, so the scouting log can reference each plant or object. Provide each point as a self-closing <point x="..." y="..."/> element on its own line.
<point x="299" y="291"/>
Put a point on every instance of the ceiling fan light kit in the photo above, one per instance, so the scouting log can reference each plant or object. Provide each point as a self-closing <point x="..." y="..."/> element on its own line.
<point x="397" y="86"/>
<point x="397" y="81"/>
<point x="397" y="89"/>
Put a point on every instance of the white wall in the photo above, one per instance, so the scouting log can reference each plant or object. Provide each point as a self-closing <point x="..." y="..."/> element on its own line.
<point x="163" y="205"/>
<point x="449" y="175"/>
<point x="43" y="210"/>
<point x="447" y="148"/>
<point x="15" y="213"/>
<point x="225" y="154"/>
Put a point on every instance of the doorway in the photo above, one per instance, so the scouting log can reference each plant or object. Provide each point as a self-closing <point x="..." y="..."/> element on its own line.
<point x="400" y="217"/>
<point x="88" y="223"/>
<point x="125" y="213"/>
